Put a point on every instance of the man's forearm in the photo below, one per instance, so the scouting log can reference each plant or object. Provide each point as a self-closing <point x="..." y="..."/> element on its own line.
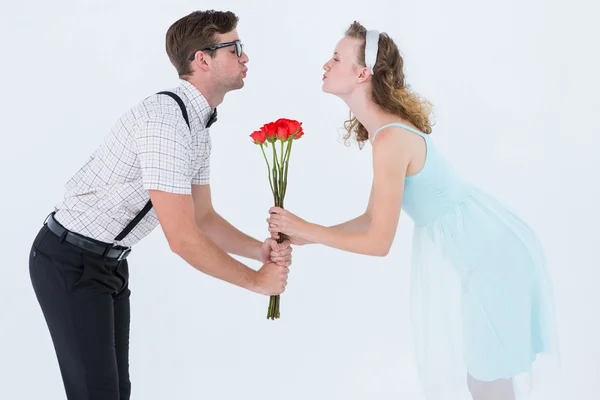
<point x="213" y="261"/>
<point x="229" y="238"/>
<point x="357" y="225"/>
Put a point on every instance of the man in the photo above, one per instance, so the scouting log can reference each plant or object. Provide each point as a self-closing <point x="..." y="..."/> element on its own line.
<point x="152" y="168"/>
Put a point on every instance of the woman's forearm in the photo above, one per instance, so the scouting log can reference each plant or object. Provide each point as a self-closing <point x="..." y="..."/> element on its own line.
<point x="367" y="243"/>
<point x="359" y="224"/>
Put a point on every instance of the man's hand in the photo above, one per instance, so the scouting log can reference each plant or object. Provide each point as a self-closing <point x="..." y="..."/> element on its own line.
<point x="271" y="279"/>
<point x="294" y="240"/>
<point x="279" y="253"/>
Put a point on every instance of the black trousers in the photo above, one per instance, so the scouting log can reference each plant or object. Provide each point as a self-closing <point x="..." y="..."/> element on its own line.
<point x="85" y="301"/>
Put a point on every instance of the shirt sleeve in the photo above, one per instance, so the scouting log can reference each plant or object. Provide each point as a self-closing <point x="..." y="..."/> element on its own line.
<point x="165" y="156"/>
<point x="202" y="175"/>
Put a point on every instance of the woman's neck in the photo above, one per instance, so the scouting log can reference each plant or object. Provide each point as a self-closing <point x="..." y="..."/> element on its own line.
<point x="369" y="114"/>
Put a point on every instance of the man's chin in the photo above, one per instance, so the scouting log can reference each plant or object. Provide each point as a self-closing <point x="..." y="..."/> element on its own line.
<point x="237" y="85"/>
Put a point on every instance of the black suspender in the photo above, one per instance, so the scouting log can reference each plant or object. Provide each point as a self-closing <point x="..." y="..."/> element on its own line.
<point x="148" y="205"/>
<point x="181" y="105"/>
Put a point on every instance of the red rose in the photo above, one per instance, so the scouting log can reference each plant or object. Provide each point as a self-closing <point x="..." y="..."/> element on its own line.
<point x="289" y="127"/>
<point x="300" y="133"/>
<point x="283" y="131"/>
<point x="295" y="127"/>
<point x="270" y="131"/>
<point x="259" y="137"/>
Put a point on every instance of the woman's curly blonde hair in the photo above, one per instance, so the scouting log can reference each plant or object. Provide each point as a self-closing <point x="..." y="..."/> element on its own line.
<point x="389" y="90"/>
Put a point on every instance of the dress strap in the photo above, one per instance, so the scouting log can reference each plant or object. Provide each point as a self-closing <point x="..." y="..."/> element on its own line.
<point x="402" y="126"/>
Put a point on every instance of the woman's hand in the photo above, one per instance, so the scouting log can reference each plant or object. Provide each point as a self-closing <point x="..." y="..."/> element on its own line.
<point x="294" y="227"/>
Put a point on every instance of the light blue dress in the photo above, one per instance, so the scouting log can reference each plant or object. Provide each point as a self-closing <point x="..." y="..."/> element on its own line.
<point x="481" y="296"/>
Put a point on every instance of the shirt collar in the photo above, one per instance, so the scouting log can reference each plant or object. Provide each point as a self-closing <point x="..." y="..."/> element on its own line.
<point x="198" y="101"/>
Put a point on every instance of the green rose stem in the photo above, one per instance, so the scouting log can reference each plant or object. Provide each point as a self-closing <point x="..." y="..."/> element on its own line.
<point x="273" y="311"/>
<point x="268" y="169"/>
<point x="273" y="301"/>
<point x="278" y="186"/>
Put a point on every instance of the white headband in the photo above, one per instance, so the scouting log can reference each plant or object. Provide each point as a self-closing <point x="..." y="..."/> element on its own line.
<point x="371" y="49"/>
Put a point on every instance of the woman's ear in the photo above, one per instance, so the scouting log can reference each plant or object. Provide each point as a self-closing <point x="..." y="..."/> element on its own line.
<point x="364" y="74"/>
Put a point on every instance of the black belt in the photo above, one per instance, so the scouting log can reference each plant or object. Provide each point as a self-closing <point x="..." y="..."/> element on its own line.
<point x="102" y="249"/>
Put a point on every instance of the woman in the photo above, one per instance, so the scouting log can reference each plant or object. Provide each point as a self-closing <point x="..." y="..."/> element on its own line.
<point x="481" y="302"/>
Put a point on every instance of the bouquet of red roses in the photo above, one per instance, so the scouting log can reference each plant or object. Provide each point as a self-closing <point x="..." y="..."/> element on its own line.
<point x="282" y="134"/>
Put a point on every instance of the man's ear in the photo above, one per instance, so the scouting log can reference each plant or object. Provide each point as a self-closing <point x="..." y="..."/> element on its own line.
<point x="200" y="61"/>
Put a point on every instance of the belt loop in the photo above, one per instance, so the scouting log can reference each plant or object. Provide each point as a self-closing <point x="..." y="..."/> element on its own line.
<point x="63" y="235"/>
<point x="106" y="250"/>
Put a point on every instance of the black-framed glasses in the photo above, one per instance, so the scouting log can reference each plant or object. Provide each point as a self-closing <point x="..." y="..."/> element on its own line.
<point x="239" y="48"/>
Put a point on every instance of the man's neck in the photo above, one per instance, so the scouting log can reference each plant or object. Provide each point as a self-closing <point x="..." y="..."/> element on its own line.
<point x="213" y="96"/>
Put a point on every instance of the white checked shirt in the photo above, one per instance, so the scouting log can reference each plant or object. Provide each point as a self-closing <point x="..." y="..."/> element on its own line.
<point x="150" y="147"/>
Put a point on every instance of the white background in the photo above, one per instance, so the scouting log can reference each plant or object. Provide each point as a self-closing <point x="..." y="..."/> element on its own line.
<point x="515" y="89"/>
